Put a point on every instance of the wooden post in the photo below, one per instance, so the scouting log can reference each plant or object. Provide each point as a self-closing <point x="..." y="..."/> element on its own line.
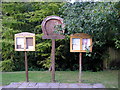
<point x="80" y="67"/>
<point x="53" y="60"/>
<point x="26" y="67"/>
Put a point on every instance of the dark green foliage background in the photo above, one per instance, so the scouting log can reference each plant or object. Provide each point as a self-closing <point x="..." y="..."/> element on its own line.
<point x="100" y="20"/>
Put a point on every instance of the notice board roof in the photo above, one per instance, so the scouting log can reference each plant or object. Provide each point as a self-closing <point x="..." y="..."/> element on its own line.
<point x="82" y="35"/>
<point x="25" y="34"/>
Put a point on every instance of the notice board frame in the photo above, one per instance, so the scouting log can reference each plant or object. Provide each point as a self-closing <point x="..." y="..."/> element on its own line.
<point x="81" y="36"/>
<point x="24" y="35"/>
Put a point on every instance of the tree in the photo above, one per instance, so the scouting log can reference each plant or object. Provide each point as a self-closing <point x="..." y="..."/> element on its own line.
<point x="98" y="19"/>
<point x="26" y="17"/>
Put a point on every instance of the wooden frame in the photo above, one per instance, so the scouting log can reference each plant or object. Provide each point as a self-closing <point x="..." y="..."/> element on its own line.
<point x="25" y="35"/>
<point x="81" y="36"/>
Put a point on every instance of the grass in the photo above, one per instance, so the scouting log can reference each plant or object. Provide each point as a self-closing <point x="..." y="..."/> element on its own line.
<point x="107" y="78"/>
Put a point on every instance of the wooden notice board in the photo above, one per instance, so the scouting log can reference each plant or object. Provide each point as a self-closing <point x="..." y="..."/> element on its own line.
<point x="80" y="43"/>
<point x="25" y="41"/>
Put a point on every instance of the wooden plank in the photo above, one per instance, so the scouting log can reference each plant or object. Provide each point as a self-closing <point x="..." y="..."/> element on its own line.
<point x="53" y="37"/>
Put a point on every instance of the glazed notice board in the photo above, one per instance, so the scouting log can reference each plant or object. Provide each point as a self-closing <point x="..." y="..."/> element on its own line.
<point x="80" y="43"/>
<point x="25" y="41"/>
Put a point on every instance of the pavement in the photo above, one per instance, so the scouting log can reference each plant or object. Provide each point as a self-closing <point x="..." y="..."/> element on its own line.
<point x="50" y="86"/>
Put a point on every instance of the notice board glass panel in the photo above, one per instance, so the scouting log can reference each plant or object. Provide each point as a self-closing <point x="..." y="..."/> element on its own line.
<point x="20" y="42"/>
<point x="86" y="44"/>
<point x="75" y="43"/>
<point x="29" y="43"/>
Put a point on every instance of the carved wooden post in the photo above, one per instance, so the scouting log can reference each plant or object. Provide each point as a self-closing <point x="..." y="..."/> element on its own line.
<point x="53" y="60"/>
<point x="48" y="29"/>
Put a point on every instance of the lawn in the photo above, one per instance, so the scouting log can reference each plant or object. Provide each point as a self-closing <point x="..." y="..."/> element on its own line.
<point x="107" y="78"/>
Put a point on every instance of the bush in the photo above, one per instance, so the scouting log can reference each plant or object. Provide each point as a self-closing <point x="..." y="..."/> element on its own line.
<point x="6" y="65"/>
<point x="115" y="65"/>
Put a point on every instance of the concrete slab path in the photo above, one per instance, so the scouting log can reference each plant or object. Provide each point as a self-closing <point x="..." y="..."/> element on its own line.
<point x="52" y="85"/>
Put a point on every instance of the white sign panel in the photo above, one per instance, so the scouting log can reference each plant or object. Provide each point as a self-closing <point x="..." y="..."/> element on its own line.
<point x="86" y="44"/>
<point x="30" y="47"/>
<point x="76" y="43"/>
<point x="20" y="42"/>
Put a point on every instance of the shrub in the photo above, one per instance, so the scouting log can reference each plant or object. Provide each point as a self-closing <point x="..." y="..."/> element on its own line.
<point x="6" y="65"/>
<point x="115" y="65"/>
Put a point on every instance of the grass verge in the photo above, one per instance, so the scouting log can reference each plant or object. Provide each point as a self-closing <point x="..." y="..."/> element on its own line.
<point x="107" y="78"/>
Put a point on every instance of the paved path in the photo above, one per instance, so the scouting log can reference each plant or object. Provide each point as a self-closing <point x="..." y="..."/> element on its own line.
<point x="52" y="85"/>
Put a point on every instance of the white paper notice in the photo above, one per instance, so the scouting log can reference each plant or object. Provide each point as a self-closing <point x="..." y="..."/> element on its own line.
<point x="20" y="41"/>
<point x="76" y="44"/>
<point x="30" y="47"/>
<point x="86" y="44"/>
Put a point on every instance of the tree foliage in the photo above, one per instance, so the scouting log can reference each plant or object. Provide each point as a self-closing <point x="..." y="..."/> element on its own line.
<point x="101" y="20"/>
<point x="26" y="17"/>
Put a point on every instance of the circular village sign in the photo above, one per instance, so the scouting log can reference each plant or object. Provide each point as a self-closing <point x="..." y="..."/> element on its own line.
<point x="48" y="29"/>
